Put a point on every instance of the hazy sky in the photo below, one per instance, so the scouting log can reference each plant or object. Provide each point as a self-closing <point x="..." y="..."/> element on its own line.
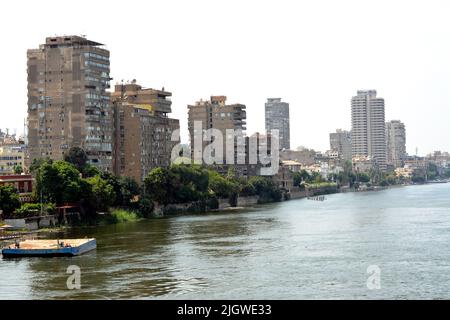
<point x="314" y="54"/>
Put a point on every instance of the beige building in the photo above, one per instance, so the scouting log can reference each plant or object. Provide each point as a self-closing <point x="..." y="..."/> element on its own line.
<point x="292" y="165"/>
<point x="439" y="158"/>
<point x="10" y="157"/>
<point x="363" y="164"/>
<point x="143" y="130"/>
<point x="12" y="153"/>
<point x="417" y="163"/>
<point x="368" y="127"/>
<point x="67" y="100"/>
<point x="215" y="114"/>
<point x="396" y="143"/>
<point x="405" y="172"/>
<point x="302" y="155"/>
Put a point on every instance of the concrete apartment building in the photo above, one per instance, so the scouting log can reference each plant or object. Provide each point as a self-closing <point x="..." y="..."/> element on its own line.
<point x="12" y="153"/>
<point x="67" y="100"/>
<point x="341" y="142"/>
<point x="10" y="157"/>
<point x="215" y="113"/>
<point x="439" y="158"/>
<point x="143" y="130"/>
<point x="396" y="143"/>
<point x="368" y="127"/>
<point x="301" y="155"/>
<point x="277" y="118"/>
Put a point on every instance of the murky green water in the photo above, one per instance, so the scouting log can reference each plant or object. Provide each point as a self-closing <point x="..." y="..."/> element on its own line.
<point x="291" y="250"/>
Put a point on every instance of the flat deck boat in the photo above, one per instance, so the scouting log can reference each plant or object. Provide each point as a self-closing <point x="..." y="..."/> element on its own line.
<point x="49" y="248"/>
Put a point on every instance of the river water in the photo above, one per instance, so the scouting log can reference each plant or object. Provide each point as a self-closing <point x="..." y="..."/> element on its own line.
<point x="299" y="249"/>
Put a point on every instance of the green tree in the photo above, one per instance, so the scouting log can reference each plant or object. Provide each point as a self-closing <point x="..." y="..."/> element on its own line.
<point x="347" y="177"/>
<point x="129" y="189"/>
<point x="115" y="183"/>
<point x="246" y="188"/>
<point x="77" y="157"/>
<point x="59" y="182"/>
<point x="177" y="184"/>
<point x="316" y="177"/>
<point x="102" y="192"/>
<point x="392" y="179"/>
<point x="37" y="163"/>
<point x="90" y="171"/>
<point x="18" y="169"/>
<point x="9" y="199"/>
<point x="221" y="186"/>
<point x="300" y="177"/>
<point x="265" y="188"/>
<point x="432" y="171"/>
<point x="190" y="183"/>
<point x="157" y="185"/>
<point x="418" y="178"/>
<point x="447" y="173"/>
<point x="362" y="177"/>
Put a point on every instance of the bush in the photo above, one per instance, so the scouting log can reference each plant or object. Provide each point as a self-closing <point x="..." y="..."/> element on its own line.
<point x="266" y="189"/>
<point x="221" y="186"/>
<point x="145" y="206"/>
<point x="9" y="199"/>
<point x="177" y="184"/>
<point x="121" y="215"/>
<point x="212" y="203"/>
<point x="247" y="189"/>
<point x="34" y="209"/>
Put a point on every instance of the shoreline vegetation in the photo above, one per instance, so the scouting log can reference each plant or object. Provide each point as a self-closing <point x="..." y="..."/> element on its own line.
<point x="76" y="193"/>
<point x="117" y="216"/>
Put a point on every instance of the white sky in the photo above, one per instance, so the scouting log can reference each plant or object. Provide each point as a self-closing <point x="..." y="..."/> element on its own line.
<point x="314" y="54"/>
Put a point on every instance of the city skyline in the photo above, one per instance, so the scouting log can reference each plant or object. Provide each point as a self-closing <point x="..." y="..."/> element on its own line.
<point x="317" y="74"/>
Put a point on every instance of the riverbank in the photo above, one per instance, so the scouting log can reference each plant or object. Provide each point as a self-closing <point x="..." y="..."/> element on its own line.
<point x="116" y="216"/>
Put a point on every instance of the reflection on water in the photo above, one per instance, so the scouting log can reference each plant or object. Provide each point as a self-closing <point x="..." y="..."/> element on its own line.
<point x="295" y="249"/>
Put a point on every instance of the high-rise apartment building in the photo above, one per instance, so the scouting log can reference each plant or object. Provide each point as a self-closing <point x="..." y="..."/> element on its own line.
<point x="215" y="114"/>
<point x="396" y="143"/>
<point x="368" y="127"/>
<point x="67" y="100"/>
<point x="142" y="130"/>
<point x="341" y="142"/>
<point x="277" y="118"/>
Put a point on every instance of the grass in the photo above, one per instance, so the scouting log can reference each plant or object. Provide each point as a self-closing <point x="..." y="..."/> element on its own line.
<point x="322" y="185"/>
<point x="122" y="215"/>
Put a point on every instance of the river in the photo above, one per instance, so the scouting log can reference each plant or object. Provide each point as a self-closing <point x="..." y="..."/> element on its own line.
<point x="298" y="249"/>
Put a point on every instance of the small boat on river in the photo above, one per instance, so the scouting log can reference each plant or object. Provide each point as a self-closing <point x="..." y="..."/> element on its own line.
<point x="317" y="198"/>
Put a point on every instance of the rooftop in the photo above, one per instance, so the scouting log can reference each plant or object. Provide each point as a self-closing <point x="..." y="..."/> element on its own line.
<point x="70" y="40"/>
